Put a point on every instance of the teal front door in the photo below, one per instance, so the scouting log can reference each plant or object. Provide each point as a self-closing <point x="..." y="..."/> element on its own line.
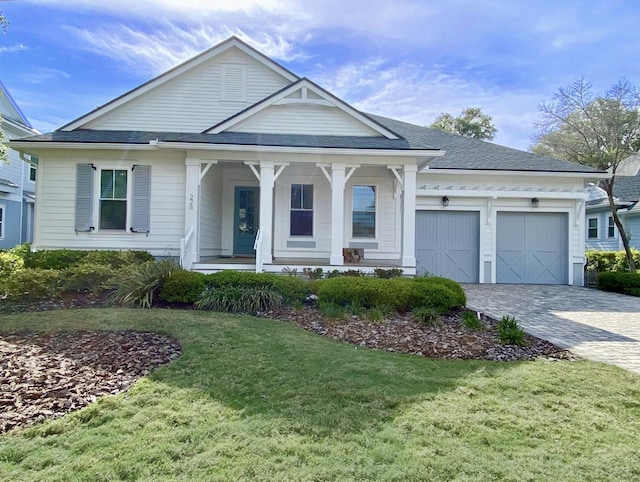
<point x="245" y="220"/>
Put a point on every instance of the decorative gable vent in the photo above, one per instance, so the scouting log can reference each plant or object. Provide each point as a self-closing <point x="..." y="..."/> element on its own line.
<point x="234" y="82"/>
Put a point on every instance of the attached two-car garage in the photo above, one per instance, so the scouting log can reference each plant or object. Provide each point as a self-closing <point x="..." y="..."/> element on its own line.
<point x="530" y="247"/>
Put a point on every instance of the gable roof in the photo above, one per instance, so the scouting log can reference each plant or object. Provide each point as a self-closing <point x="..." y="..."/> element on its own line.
<point x="305" y="85"/>
<point x="15" y="114"/>
<point x="178" y="70"/>
<point x="464" y="153"/>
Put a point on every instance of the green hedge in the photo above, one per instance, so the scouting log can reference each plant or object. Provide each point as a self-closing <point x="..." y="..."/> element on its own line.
<point x="625" y="283"/>
<point x="398" y="293"/>
<point x="183" y="287"/>
<point x="33" y="284"/>
<point x="9" y="264"/>
<point x="292" y="288"/>
<point x="65" y="258"/>
<point x="601" y="261"/>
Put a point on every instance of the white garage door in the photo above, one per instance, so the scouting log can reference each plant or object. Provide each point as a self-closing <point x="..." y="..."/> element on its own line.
<point x="447" y="244"/>
<point x="532" y="248"/>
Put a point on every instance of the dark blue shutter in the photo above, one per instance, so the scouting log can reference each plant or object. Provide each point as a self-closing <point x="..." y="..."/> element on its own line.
<point x="84" y="197"/>
<point x="141" y="209"/>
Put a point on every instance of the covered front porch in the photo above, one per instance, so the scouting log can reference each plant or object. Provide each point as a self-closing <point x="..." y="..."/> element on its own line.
<point x="287" y="213"/>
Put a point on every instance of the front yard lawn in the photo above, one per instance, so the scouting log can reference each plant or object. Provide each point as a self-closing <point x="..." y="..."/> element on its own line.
<point x="259" y="399"/>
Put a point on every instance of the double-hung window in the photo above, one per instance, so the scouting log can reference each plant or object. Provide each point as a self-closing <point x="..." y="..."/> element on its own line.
<point x="1" y="222"/>
<point x="364" y="212"/>
<point x="301" y="219"/>
<point x="32" y="173"/>
<point x="592" y="228"/>
<point x="113" y="199"/>
<point x="611" y="228"/>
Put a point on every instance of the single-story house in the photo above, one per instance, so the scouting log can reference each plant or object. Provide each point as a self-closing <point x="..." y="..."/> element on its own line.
<point x="602" y="233"/>
<point x="230" y="160"/>
<point x="17" y="178"/>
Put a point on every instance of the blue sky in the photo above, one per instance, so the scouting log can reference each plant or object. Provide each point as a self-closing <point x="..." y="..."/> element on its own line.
<point x="409" y="60"/>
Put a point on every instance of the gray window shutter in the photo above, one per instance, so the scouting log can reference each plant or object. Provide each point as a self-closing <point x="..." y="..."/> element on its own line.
<point x="84" y="197"/>
<point x="141" y="210"/>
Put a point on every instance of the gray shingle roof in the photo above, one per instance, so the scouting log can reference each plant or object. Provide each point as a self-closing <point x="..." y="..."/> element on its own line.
<point x="461" y="152"/>
<point x="627" y="188"/>
<point x="465" y="153"/>
<point x="237" y="138"/>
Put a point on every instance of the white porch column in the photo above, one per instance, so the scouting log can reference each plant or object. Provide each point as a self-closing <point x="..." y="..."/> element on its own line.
<point x="192" y="204"/>
<point x="337" y="213"/>
<point x="409" y="216"/>
<point x="267" y="183"/>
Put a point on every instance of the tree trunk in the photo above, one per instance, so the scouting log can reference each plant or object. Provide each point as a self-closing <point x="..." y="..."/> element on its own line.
<point x="616" y="219"/>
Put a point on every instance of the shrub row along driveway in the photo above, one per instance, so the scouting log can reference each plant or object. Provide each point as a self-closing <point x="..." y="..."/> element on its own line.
<point x="594" y="324"/>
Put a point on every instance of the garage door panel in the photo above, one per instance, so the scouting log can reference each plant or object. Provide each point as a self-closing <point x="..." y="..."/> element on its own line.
<point x="532" y="248"/>
<point x="447" y="244"/>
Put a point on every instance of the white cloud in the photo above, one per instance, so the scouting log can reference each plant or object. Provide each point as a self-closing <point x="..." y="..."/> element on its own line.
<point x="41" y="75"/>
<point x="10" y="49"/>
<point x="416" y="94"/>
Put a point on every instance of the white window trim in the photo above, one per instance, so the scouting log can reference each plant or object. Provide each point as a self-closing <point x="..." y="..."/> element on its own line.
<point x="376" y="220"/>
<point x="3" y="220"/>
<point x="96" y="197"/>
<point x="597" y="218"/>
<point x="293" y="237"/>
<point x="615" y="228"/>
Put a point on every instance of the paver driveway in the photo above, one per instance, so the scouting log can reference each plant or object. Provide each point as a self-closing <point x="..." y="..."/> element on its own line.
<point x="594" y="324"/>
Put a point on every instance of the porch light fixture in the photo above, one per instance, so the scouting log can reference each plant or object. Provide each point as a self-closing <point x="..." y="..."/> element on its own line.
<point x="445" y="201"/>
<point x="535" y="202"/>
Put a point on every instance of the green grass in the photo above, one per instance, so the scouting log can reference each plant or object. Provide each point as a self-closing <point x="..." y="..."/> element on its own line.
<point x="257" y="399"/>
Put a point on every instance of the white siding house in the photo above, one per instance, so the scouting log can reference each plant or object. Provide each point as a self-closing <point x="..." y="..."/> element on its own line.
<point x="256" y="168"/>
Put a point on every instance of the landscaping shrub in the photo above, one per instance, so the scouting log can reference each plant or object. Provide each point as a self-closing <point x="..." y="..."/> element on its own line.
<point x="183" y="287"/>
<point x="602" y="261"/>
<point x="618" y="282"/>
<point x="471" y="320"/>
<point x="65" y="258"/>
<point x="87" y="276"/>
<point x="332" y="311"/>
<point x="33" y="284"/>
<point x="399" y="293"/>
<point x="388" y="273"/>
<point x="312" y="273"/>
<point x="291" y="288"/>
<point x="461" y="297"/>
<point x="240" y="299"/>
<point x="138" y="285"/>
<point x="509" y="333"/>
<point x="9" y="264"/>
<point x="426" y="316"/>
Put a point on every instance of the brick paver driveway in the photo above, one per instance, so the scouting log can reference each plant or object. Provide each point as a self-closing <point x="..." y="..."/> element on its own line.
<point x="594" y="324"/>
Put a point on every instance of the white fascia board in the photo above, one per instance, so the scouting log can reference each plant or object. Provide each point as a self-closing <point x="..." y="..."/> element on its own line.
<point x="23" y="129"/>
<point x="175" y="72"/>
<point x="574" y="174"/>
<point x="303" y="83"/>
<point x="415" y="153"/>
<point x="577" y="195"/>
<point x="32" y="147"/>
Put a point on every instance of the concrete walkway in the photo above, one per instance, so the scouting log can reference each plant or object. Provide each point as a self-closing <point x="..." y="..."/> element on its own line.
<point x="594" y="324"/>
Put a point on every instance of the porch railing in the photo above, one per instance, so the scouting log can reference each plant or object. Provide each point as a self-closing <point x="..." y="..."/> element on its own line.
<point x="187" y="254"/>
<point x="257" y="246"/>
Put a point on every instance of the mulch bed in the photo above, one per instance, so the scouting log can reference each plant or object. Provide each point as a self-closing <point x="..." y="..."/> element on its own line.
<point x="46" y="375"/>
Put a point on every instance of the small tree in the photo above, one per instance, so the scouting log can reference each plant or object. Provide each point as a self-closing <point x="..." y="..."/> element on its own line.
<point x="470" y="123"/>
<point x="597" y="131"/>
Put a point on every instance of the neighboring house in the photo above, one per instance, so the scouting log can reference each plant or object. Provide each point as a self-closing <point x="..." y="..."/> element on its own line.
<point x="17" y="179"/>
<point x="601" y="232"/>
<point x="232" y="161"/>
